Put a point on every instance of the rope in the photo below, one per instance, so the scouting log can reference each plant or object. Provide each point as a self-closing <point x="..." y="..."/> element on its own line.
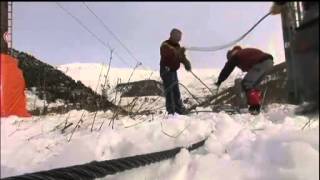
<point x="107" y="45"/>
<point x="192" y="95"/>
<point x="112" y="33"/>
<point x="96" y="169"/>
<point x="202" y="82"/>
<point x="216" y="48"/>
<point x="108" y="29"/>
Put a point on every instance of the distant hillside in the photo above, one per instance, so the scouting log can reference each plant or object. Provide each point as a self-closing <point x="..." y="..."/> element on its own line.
<point x="88" y="74"/>
<point x="51" y="84"/>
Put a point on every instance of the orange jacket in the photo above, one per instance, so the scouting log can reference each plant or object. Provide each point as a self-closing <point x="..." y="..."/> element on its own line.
<point x="13" y="99"/>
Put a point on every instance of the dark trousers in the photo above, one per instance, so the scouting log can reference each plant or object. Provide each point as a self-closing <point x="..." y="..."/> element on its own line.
<point x="171" y="90"/>
<point x="256" y="74"/>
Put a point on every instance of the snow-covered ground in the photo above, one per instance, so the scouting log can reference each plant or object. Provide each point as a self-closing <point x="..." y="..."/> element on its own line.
<point x="272" y="145"/>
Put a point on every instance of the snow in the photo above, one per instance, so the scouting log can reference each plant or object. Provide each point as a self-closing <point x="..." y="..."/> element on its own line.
<point x="238" y="147"/>
<point x="34" y="102"/>
<point x="275" y="144"/>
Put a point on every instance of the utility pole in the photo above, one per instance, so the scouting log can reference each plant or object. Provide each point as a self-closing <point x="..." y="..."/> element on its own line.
<point x="10" y="27"/>
<point x="4" y="26"/>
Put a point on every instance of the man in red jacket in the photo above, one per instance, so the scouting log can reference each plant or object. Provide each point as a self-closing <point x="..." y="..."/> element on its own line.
<point x="253" y="61"/>
<point x="171" y="57"/>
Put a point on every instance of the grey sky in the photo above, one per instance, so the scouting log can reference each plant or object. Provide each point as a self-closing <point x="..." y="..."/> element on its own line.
<point x="47" y="32"/>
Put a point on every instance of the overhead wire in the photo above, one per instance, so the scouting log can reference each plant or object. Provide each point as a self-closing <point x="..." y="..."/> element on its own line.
<point x="108" y="29"/>
<point x="216" y="48"/>
<point x="107" y="45"/>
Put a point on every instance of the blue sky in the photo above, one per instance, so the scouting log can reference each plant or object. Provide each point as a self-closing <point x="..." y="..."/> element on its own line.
<point x="47" y="32"/>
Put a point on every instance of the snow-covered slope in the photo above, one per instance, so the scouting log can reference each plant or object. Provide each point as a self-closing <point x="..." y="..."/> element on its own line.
<point x="88" y="74"/>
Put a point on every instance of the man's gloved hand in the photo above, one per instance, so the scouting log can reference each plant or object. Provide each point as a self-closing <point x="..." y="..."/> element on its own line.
<point x="187" y="65"/>
<point x="217" y="83"/>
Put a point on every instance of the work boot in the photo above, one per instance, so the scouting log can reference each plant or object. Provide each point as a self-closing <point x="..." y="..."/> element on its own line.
<point x="170" y="113"/>
<point x="254" y="109"/>
<point x="182" y="110"/>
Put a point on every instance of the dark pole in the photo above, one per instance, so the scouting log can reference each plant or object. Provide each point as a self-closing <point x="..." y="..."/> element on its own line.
<point x="287" y="29"/>
<point x="4" y="25"/>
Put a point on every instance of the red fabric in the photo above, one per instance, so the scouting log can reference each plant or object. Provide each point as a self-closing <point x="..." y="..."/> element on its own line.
<point x="13" y="100"/>
<point x="248" y="57"/>
<point x="254" y="97"/>
<point x="169" y="56"/>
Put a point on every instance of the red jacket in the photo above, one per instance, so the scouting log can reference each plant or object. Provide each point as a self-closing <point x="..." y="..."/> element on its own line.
<point x="245" y="59"/>
<point x="248" y="57"/>
<point x="169" y="55"/>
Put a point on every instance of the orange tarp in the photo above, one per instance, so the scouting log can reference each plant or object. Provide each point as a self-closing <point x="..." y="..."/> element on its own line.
<point x="13" y="99"/>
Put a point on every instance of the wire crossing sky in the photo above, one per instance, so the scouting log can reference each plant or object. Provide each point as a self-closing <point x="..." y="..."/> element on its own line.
<point x="50" y="34"/>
